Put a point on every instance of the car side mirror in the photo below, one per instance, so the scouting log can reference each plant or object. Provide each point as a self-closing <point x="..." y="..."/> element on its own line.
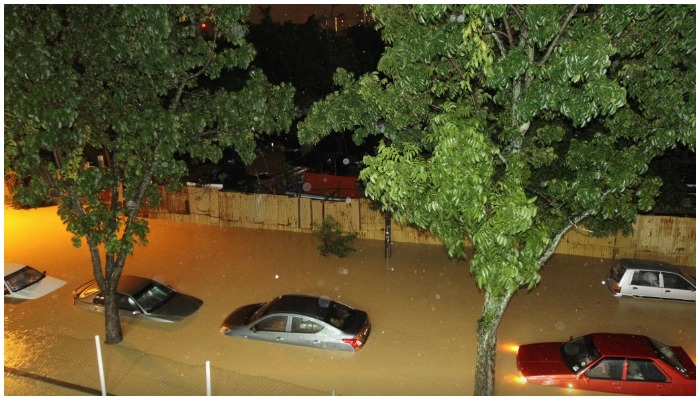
<point x="252" y="328"/>
<point x="584" y="377"/>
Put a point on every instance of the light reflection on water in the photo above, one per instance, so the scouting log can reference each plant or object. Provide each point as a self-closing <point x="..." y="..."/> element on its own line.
<point x="419" y="302"/>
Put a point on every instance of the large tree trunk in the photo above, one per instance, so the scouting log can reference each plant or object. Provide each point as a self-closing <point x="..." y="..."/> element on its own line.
<point x="487" y="326"/>
<point x="113" y="327"/>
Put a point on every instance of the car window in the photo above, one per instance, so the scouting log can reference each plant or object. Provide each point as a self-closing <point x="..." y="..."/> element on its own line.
<point x="607" y="368"/>
<point x="617" y="272"/>
<point x="275" y="323"/>
<point x="666" y="353"/>
<point x="153" y="296"/>
<point x="127" y="303"/>
<point x="578" y="353"/>
<point x="339" y="315"/>
<point x="22" y="278"/>
<point x="644" y="370"/>
<point x="303" y="325"/>
<point x="675" y="281"/>
<point x="646" y="278"/>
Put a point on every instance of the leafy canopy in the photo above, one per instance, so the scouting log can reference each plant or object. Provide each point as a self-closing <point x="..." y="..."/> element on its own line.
<point x="122" y="82"/>
<point x="509" y="125"/>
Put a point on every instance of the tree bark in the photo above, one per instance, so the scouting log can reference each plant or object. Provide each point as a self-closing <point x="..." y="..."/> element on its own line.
<point x="113" y="327"/>
<point x="486" y="334"/>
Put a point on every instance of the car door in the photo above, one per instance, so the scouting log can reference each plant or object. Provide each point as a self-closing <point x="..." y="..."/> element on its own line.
<point x="645" y="283"/>
<point x="272" y="328"/>
<point x="604" y="376"/>
<point x="644" y="378"/>
<point x="307" y="331"/>
<point x="676" y="287"/>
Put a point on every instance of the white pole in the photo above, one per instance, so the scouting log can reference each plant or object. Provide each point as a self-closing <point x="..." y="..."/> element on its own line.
<point x="99" y="364"/>
<point x="208" y="379"/>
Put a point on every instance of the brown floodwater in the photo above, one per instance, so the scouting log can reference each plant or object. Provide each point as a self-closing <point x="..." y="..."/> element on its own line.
<point x="423" y="307"/>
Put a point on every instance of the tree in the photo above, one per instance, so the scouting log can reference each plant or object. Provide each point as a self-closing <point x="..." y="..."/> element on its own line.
<point x="510" y="125"/>
<point x="121" y="82"/>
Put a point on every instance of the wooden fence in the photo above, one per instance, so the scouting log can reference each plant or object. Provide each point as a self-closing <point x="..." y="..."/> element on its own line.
<point x="670" y="239"/>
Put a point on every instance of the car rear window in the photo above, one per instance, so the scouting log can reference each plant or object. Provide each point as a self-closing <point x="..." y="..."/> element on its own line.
<point x="339" y="315"/>
<point x="617" y="272"/>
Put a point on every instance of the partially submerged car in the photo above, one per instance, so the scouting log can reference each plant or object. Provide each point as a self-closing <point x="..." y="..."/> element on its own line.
<point x="23" y="282"/>
<point x="301" y="320"/>
<point x="141" y="298"/>
<point x="652" y="279"/>
<point x="610" y="362"/>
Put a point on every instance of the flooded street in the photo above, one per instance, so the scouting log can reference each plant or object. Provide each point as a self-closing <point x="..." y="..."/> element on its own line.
<point x="422" y="305"/>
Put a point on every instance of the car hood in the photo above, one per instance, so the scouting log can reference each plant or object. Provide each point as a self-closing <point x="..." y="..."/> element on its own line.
<point x="541" y="359"/>
<point x="41" y="288"/>
<point x="240" y="317"/>
<point x="178" y="307"/>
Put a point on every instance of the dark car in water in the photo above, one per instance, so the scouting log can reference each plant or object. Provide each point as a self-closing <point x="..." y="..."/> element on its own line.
<point x="141" y="298"/>
<point x="610" y="362"/>
<point x="301" y="320"/>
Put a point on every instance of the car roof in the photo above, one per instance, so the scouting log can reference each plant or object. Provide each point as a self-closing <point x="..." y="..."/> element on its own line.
<point x="623" y="345"/>
<point x="649" y="265"/>
<point x="300" y="304"/>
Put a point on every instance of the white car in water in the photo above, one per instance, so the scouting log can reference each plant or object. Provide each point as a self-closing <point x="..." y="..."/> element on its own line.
<point x="652" y="279"/>
<point x="24" y="282"/>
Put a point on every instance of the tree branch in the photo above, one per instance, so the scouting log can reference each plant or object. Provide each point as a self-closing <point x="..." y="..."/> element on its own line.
<point x="495" y="34"/>
<point x="555" y="42"/>
<point x="509" y="32"/>
<point x="557" y="238"/>
<point x="572" y="223"/>
<point x="517" y="12"/>
<point x="181" y="87"/>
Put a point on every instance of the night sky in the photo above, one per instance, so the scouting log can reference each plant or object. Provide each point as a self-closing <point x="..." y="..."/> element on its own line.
<point x="348" y="14"/>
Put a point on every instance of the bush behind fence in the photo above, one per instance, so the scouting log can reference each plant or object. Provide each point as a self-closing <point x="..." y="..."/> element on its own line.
<point x="670" y="239"/>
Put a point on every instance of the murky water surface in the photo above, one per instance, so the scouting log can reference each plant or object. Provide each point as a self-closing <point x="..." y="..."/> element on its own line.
<point x="422" y="305"/>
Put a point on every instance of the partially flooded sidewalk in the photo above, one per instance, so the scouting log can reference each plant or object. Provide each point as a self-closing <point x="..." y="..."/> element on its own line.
<point x="63" y="365"/>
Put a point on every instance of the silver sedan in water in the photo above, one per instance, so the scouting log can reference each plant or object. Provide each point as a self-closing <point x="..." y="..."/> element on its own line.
<point x="140" y="297"/>
<point x="301" y="320"/>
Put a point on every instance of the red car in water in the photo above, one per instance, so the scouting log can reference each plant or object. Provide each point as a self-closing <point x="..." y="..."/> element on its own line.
<point x="610" y="362"/>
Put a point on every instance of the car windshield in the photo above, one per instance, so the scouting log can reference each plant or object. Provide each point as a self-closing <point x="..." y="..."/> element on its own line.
<point x="666" y="353"/>
<point x="22" y="278"/>
<point x="260" y="312"/>
<point x="153" y="296"/>
<point x="579" y="352"/>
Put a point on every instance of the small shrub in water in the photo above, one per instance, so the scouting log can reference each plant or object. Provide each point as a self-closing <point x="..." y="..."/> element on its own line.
<point x="331" y="239"/>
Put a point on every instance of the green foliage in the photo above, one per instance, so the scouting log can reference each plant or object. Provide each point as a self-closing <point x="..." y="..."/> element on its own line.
<point x="511" y="125"/>
<point x="332" y="240"/>
<point x="122" y="82"/>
